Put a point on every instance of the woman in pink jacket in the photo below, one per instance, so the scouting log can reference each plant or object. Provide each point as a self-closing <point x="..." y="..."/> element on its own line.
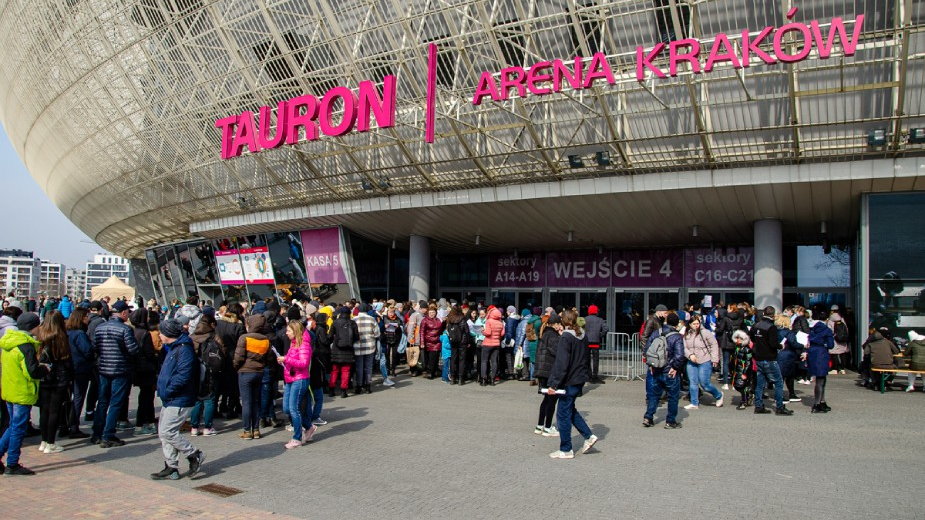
<point x="296" y="364"/>
<point x="493" y="331"/>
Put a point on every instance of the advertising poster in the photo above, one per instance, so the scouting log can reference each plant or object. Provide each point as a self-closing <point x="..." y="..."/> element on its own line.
<point x="258" y="268"/>
<point x="324" y="263"/>
<point x="230" y="270"/>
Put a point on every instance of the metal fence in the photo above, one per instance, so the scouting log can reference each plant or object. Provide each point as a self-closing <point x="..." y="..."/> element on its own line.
<point x="621" y="357"/>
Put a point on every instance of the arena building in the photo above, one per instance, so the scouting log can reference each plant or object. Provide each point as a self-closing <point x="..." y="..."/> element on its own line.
<point x="622" y="153"/>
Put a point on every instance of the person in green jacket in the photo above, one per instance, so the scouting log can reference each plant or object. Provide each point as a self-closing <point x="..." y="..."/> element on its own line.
<point x="19" y="386"/>
<point x="914" y="354"/>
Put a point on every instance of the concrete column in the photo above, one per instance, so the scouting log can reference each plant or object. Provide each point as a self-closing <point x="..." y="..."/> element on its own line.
<point x="769" y="267"/>
<point x="419" y="268"/>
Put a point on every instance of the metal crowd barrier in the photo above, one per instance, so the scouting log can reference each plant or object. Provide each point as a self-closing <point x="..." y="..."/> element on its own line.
<point x="621" y="357"/>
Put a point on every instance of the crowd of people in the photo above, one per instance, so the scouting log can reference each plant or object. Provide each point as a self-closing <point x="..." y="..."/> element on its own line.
<point x="228" y="362"/>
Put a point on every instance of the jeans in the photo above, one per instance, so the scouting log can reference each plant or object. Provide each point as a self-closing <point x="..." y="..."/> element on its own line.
<point x="489" y="356"/>
<point x="204" y="411"/>
<point x="11" y="442"/>
<point x="699" y="375"/>
<point x="249" y="386"/>
<point x="293" y="395"/>
<point x="567" y="416"/>
<point x="168" y="430"/>
<point x="268" y="386"/>
<point x="656" y="383"/>
<point x="726" y="355"/>
<point x="112" y="392"/>
<point x="384" y="360"/>
<point x="50" y="411"/>
<point x="445" y="372"/>
<point x="317" y="402"/>
<point x="81" y="382"/>
<point x="769" y="370"/>
<point x="364" y="365"/>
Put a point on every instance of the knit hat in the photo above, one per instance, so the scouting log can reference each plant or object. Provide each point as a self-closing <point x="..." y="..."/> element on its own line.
<point x="525" y="312"/>
<point x="914" y="336"/>
<point x="182" y="320"/>
<point x="592" y="309"/>
<point x="208" y="310"/>
<point x="172" y="329"/>
<point x="27" y="321"/>
<point x="660" y="308"/>
<point x="310" y="309"/>
<point x="294" y="313"/>
<point x="511" y="309"/>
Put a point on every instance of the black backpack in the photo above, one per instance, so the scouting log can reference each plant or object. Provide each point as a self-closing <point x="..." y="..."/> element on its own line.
<point x="455" y="333"/>
<point x="211" y="355"/>
<point x="346" y="332"/>
<point x="841" y="332"/>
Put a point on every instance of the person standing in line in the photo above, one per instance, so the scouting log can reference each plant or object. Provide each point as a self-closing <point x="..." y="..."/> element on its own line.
<point x="177" y="386"/>
<point x="743" y="376"/>
<point x="83" y="358"/>
<point x="392" y="333"/>
<point x="840" y="332"/>
<point x="666" y="378"/>
<point x="702" y="352"/>
<point x="54" y="390"/>
<point x="788" y="356"/>
<point x="821" y="340"/>
<point x="596" y="329"/>
<point x="511" y="323"/>
<point x="493" y="331"/>
<point x="545" y="359"/>
<point x="229" y="328"/>
<point x="344" y="332"/>
<point x="93" y="389"/>
<point x="117" y="347"/>
<point x="430" y="329"/>
<point x="250" y="358"/>
<point x="20" y="372"/>
<point x="476" y="324"/>
<point x="413" y="331"/>
<point x="364" y="348"/>
<point x="210" y="352"/>
<point x="568" y="376"/>
<point x="460" y="339"/>
<point x="321" y="362"/>
<point x="296" y="371"/>
<point x="764" y="337"/>
<point x="145" y="373"/>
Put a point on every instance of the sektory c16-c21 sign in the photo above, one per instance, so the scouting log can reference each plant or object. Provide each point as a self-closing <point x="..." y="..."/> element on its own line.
<point x="306" y="117"/>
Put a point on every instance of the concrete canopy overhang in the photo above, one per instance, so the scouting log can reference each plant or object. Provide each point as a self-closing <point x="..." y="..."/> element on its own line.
<point x="620" y="211"/>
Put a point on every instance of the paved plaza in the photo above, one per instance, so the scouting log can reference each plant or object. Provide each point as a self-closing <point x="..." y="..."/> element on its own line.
<point x="426" y="449"/>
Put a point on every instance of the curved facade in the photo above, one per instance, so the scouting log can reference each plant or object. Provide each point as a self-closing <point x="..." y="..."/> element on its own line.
<point x="112" y="104"/>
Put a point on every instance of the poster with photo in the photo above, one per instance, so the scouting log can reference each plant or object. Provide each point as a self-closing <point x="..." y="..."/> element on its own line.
<point x="230" y="270"/>
<point x="258" y="268"/>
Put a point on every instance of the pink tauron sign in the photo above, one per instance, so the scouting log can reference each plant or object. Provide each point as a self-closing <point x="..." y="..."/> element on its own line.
<point x="303" y="116"/>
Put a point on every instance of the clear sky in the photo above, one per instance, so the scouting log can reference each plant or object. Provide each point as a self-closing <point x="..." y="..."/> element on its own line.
<point x="31" y="221"/>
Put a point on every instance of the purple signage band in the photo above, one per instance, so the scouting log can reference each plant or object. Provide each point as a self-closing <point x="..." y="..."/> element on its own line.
<point x="323" y="259"/>
<point x="714" y="268"/>
<point x="578" y="269"/>
<point x="651" y="268"/>
<point x="518" y="271"/>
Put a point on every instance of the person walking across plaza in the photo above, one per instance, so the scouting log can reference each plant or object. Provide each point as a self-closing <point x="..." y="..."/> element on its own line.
<point x="596" y="330"/>
<point x="545" y="359"/>
<point x="567" y="378"/>
<point x="178" y="388"/>
<point x="20" y="372"/>
<point x="765" y="339"/>
<point x="115" y="342"/>
<point x="702" y="352"/>
<point x="667" y="377"/>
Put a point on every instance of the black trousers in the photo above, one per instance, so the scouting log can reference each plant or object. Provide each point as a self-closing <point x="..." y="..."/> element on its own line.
<point x="52" y="401"/>
<point x="595" y="362"/>
<point x="489" y="357"/>
<point x="432" y="362"/>
<point x="508" y="360"/>
<point x="391" y="358"/>
<point x="146" y="386"/>
<point x="458" y="366"/>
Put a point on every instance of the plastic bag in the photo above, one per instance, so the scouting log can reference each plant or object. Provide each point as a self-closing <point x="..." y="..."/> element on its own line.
<point x="519" y="359"/>
<point x="403" y="344"/>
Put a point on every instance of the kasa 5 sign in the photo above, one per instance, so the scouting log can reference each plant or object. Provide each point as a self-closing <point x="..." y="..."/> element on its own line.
<point x="342" y="110"/>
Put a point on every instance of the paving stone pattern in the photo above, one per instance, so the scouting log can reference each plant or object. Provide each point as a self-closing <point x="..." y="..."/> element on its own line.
<point x="425" y="449"/>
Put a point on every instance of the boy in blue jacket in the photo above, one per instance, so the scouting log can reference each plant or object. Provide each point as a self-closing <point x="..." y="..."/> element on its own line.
<point x="178" y="387"/>
<point x="446" y="352"/>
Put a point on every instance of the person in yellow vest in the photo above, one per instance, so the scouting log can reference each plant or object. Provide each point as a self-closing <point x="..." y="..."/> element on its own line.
<point x="21" y="372"/>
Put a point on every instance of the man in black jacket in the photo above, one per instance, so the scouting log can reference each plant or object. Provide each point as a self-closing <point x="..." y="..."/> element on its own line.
<point x="115" y="342"/>
<point x="764" y="337"/>
<point x="667" y="378"/>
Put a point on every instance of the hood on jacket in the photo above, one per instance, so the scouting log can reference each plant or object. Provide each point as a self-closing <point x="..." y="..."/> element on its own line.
<point x="494" y="314"/>
<point x="818" y="327"/>
<point x="255" y="323"/>
<point x="5" y="323"/>
<point x="573" y="333"/>
<point x="190" y="311"/>
<point x="914" y="336"/>
<point x="15" y="337"/>
<point x="139" y="318"/>
<point x="734" y="315"/>
<point x="203" y="330"/>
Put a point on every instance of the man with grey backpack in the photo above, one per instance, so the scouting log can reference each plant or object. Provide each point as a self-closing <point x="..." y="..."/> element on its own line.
<point x="664" y="357"/>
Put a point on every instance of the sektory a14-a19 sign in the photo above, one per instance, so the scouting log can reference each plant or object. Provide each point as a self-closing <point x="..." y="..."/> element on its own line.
<point x="307" y="117"/>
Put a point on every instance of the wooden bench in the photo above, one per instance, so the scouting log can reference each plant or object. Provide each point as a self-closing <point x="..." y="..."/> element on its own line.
<point x="886" y="371"/>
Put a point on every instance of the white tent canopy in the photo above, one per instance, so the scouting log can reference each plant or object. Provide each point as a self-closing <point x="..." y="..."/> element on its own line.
<point x="114" y="288"/>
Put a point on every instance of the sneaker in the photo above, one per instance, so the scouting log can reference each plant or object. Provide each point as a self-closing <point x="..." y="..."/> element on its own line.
<point x="209" y="432"/>
<point x="195" y="462"/>
<point x="256" y="434"/>
<point x="691" y="407"/>
<point x="53" y="448"/>
<point x="783" y="410"/>
<point x="388" y="382"/>
<point x="825" y="407"/>
<point x="761" y="410"/>
<point x="648" y="423"/>
<point x="672" y="425"/>
<point x="719" y="402"/>
<point x="289" y="428"/>
<point x="552" y="431"/>
<point x="307" y="434"/>
<point x="794" y="399"/>
<point x="833" y="372"/>
<point x="18" y="469"/>
<point x="741" y="406"/>
<point x="538" y="430"/>
<point x="725" y="387"/>
<point x="95" y="440"/>
<point x="562" y="455"/>
<point x="112" y="443"/>
<point x="319" y="422"/>
<point x="124" y="426"/>
<point x="842" y="372"/>
<point x="167" y="473"/>
<point x="589" y="442"/>
<point x="910" y="389"/>
<point x="247" y="434"/>
<point x="194" y="432"/>
<point x="42" y="446"/>
<point x="151" y="429"/>
<point x="293" y="444"/>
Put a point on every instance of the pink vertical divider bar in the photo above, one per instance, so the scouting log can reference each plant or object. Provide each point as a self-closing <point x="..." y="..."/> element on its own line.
<point x="431" y="93"/>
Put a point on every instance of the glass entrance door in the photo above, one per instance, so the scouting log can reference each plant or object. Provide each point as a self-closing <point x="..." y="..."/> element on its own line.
<point x="563" y="299"/>
<point x="631" y="309"/>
